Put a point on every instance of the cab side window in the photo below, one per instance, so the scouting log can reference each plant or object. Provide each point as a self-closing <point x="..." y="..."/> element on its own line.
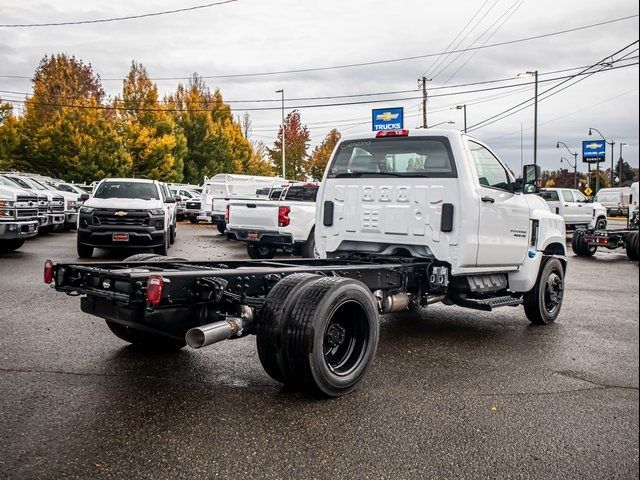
<point x="566" y="195"/>
<point x="491" y="173"/>
<point x="580" y="197"/>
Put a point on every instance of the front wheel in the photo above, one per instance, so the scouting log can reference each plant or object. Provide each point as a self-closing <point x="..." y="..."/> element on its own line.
<point x="164" y="248"/>
<point x="84" y="251"/>
<point x="308" y="250"/>
<point x="258" y="251"/>
<point x="601" y="223"/>
<point x="11" y="245"/>
<point x="147" y="340"/>
<point x="193" y="220"/>
<point x="222" y="227"/>
<point x="543" y="302"/>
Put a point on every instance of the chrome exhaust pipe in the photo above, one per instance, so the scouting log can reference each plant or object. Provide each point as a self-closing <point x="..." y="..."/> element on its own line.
<point x="214" y="332"/>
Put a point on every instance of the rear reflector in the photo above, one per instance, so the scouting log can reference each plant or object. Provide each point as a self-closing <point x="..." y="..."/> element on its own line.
<point x="393" y="133"/>
<point x="48" y="271"/>
<point x="155" y="286"/>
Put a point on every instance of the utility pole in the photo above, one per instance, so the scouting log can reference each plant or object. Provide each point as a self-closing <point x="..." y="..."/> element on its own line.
<point x="284" y="174"/>
<point x="535" y="121"/>
<point x="424" y="102"/>
<point x="521" y="149"/>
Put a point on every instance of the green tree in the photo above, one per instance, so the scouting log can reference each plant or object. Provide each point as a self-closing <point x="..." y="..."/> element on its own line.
<point x="297" y="142"/>
<point x="156" y="146"/>
<point x="321" y="154"/>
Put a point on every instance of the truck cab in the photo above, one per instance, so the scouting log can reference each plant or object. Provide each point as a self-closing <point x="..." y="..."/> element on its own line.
<point x="430" y="193"/>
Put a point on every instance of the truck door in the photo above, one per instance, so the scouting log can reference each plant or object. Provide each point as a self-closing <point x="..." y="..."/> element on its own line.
<point x="584" y="209"/>
<point x="570" y="206"/>
<point x="504" y="226"/>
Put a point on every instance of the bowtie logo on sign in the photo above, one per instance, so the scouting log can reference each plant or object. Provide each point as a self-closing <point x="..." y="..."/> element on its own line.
<point x="593" y="151"/>
<point x="387" y="119"/>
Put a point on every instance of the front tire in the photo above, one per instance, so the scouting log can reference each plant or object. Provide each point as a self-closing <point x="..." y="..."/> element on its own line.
<point x="164" y="248"/>
<point x="222" y="227"/>
<point x="146" y="340"/>
<point x="84" y="251"/>
<point x="308" y="250"/>
<point x="259" y="251"/>
<point x="543" y="302"/>
<point x="332" y="336"/>
<point x="193" y="220"/>
<point x="7" y="246"/>
<point x="632" y="246"/>
<point x="601" y="223"/>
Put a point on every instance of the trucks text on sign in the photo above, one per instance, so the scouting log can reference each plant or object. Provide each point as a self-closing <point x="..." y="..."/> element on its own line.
<point x="387" y="119"/>
<point x="593" y="151"/>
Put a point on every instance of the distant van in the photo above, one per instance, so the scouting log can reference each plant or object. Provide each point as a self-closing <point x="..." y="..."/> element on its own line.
<point x="615" y="200"/>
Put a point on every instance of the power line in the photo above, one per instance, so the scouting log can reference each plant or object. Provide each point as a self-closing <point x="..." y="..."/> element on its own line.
<point x="524" y="105"/>
<point x="326" y="97"/>
<point x="295" y="107"/>
<point x="377" y="62"/>
<point x="117" y="19"/>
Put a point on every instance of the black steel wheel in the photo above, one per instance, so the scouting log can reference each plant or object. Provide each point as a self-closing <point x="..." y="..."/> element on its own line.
<point x="146" y="340"/>
<point x="259" y="251"/>
<point x="543" y="302"/>
<point x="272" y="322"/>
<point x="332" y="336"/>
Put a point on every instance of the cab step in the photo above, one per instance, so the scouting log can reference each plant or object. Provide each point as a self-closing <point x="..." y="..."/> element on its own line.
<point x="489" y="304"/>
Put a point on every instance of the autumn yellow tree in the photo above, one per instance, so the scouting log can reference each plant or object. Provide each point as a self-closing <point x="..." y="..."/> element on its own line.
<point x="321" y="154"/>
<point x="10" y="127"/>
<point x="297" y="142"/>
<point x="68" y="129"/>
<point x="156" y="147"/>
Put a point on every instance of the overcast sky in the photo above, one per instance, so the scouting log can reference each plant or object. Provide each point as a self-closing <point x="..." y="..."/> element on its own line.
<point x="250" y="36"/>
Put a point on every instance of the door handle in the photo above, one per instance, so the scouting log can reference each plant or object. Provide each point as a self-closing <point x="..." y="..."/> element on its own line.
<point x="488" y="199"/>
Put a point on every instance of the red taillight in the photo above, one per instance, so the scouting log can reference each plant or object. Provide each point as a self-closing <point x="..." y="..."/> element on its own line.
<point x="283" y="216"/>
<point x="392" y="133"/>
<point x="227" y="213"/>
<point x="48" y="271"/>
<point x="155" y="286"/>
<point x="311" y="184"/>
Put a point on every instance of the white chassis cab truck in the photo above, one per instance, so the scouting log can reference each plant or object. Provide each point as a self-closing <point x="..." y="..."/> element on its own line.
<point x="286" y="223"/>
<point x="575" y="208"/>
<point x="404" y="219"/>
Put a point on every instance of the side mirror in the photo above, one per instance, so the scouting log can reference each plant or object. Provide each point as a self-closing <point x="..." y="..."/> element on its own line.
<point x="170" y="200"/>
<point x="531" y="178"/>
<point x="84" y="197"/>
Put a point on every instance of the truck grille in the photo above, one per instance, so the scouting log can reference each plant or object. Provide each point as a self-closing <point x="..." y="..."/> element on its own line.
<point x="140" y="219"/>
<point x="23" y="213"/>
<point x="193" y="205"/>
<point x="26" y="199"/>
<point x="57" y="205"/>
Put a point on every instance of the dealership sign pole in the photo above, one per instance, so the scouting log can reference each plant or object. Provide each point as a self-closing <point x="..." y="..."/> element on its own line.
<point x="593" y="151"/>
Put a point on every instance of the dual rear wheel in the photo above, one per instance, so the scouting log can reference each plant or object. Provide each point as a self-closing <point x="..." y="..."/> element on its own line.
<point x="318" y="333"/>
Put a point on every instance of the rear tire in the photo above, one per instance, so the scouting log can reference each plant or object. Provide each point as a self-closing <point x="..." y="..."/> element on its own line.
<point x="272" y="322"/>
<point x="332" y="335"/>
<point x="308" y="250"/>
<point x="152" y="258"/>
<point x="632" y="246"/>
<point x="543" y="302"/>
<point x="146" y="340"/>
<point x="222" y="227"/>
<point x="84" y="251"/>
<point x="259" y="251"/>
<point x="580" y="246"/>
<point x="7" y="246"/>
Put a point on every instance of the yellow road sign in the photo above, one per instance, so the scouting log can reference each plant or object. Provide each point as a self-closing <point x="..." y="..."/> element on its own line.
<point x="587" y="191"/>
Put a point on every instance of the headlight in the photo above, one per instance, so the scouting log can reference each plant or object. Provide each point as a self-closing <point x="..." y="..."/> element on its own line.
<point x="71" y="205"/>
<point x="5" y="213"/>
<point x="86" y="210"/>
<point x="6" y="203"/>
<point x="156" y="212"/>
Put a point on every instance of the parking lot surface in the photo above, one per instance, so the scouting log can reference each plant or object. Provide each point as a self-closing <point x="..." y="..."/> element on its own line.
<point x="453" y="393"/>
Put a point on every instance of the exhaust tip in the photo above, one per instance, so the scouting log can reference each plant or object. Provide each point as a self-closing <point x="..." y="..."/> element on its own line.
<point x="195" y="338"/>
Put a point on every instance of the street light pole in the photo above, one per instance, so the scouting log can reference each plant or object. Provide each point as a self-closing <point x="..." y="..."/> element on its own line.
<point x="612" y="144"/>
<point x="464" y="109"/>
<point x="284" y="174"/>
<point x="534" y="73"/>
<point x="575" y="163"/>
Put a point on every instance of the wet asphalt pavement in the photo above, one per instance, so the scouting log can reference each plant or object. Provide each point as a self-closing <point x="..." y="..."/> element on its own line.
<point x="452" y="394"/>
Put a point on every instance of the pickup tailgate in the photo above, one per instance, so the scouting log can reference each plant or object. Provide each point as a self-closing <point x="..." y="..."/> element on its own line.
<point x="256" y="214"/>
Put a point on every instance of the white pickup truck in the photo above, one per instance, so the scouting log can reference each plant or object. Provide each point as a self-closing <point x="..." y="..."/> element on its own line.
<point x="222" y="188"/>
<point x="404" y="219"/>
<point x="18" y="217"/>
<point x="286" y="223"/>
<point x="575" y="208"/>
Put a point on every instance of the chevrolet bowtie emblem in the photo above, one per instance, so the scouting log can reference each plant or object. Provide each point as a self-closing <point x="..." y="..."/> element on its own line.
<point x="120" y="214"/>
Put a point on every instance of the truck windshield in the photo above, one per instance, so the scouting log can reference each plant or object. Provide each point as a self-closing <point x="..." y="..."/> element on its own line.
<point x="429" y="157"/>
<point x="144" y="191"/>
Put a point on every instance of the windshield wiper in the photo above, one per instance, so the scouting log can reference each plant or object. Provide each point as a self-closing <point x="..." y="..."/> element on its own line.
<point x="358" y="174"/>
